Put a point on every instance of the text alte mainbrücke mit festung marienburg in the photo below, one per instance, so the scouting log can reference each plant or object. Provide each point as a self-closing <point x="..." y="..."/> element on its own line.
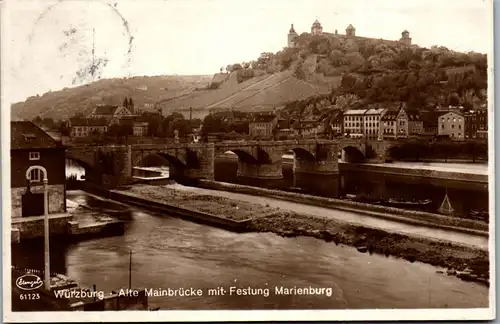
<point x="238" y="291"/>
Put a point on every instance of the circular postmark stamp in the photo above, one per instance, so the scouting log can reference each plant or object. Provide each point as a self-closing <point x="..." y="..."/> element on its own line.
<point x="79" y="42"/>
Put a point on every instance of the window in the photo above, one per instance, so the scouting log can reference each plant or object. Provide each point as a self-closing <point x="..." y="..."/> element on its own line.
<point x="452" y="126"/>
<point x="36" y="175"/>
<point x="459" y="126"/>
<point x="442" y="126"/>
<point x="34" y="156"/>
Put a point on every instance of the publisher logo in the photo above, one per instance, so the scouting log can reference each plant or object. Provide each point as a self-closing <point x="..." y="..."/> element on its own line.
<point x="29" y="282"/>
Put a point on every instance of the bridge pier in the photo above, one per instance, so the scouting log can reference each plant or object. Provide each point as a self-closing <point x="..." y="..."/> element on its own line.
<point x="267" y="171"/>
<point x="319" y="174"/>
<point x="119" y="170"/>
<point x="205" y="168"/>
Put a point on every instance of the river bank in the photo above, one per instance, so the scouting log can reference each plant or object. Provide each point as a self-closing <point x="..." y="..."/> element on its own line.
<point x="467" y="263"/>
<point x="400" y="215"/>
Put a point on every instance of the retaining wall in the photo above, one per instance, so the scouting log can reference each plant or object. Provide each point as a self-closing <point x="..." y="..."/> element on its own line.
<point x="396" y="214"/>
<point x="102" y="229"/>
<point x="200" y="217"/>
<point x="33" y="227"/>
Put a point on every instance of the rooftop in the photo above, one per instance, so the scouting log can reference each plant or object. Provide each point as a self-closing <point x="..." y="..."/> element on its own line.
<point x="105" y="110"/>
<point x="355" y="112"/>
<point x="26" y="135"/>
<point x="390" y="115"/>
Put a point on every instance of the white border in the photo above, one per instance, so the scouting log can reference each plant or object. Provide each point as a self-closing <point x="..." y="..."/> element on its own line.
<point x="216" y="315"/>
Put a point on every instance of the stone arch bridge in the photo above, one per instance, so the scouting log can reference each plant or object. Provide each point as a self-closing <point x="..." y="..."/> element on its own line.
<point x="112" y="165"/>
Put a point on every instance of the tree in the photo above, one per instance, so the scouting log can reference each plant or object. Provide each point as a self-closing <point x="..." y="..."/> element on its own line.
<point x="125" y="103"/>
<point x="48" y="122"/>
<point x="213" y="124"/>
<point x="62" y="127"/>
<point x="130" y="103"/>
<point x="37" y="120"/>
<point x="236" y="67"/>
<point x="475" y="149"/>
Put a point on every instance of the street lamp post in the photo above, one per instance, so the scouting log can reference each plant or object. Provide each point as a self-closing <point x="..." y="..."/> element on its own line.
<point x="45" y="220"/>
<point x="46" y="231"/>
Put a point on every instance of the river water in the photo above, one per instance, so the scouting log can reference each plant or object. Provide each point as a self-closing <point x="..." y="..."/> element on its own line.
<point x="172" y="253"/>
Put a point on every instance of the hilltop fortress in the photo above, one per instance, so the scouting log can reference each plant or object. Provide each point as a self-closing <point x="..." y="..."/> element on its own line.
<point x="350" y="34"/>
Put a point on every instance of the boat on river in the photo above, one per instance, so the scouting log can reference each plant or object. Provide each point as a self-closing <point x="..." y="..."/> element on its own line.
<point x="391" y="202"/>
<point x="364" y="198"/>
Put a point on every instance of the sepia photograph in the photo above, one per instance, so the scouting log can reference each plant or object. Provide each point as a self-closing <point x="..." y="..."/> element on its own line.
<point x="266" y="160"/>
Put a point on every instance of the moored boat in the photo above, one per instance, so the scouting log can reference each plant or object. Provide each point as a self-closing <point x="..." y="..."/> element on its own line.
<point x="391" y="202"/>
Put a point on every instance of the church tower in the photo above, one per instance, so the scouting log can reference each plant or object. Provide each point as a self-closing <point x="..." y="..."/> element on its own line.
<point x="350" y="31"/>
<point x="316" y="28"/>
<point x="291" y="37"/>
<point x="405" y="38"/>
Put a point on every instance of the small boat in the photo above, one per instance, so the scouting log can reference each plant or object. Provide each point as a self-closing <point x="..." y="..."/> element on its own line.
<point x="363" y="198"/>
<point x="391" y="202"/>
<point x="446" y="208"/>
<point x="296" y="190"/>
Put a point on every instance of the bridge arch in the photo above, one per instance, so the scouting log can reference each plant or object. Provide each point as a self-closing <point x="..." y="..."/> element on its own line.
<point x="242" y="155"/>
<point x="175" y="166"/>
<point x="75" y="166"/>
<point x="302" y="153"/>
<point x="352" y="154"/>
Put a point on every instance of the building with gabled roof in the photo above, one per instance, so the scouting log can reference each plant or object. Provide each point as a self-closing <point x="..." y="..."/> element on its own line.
<point x="32" y="147"/>
<point x="112" y="113"/>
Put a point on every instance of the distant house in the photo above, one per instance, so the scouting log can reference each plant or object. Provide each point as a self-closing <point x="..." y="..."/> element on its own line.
<point x="415" y="123"/>
<point x="113" y="114"/>
<point x="363" y="122"/>
<point x="476" y="124"/>
<point x="452" y="124"/>
<point x="140" y="128"/>
<point x="84" y="127"/>
<point x="262" y="125"/>
<point x="389" y="124"/>
<point x="31" y="146"/>
<point x="337" y="122"/>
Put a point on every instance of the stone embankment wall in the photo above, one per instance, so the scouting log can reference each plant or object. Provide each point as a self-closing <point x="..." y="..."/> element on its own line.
<point x="201" y="217"/>
<point x="33" y="227"/>
<point x="396" y="214"/>
<point x="100" y="229"/>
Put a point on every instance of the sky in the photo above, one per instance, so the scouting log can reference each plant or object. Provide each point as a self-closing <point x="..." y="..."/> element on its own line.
<point x="46" y="43"/>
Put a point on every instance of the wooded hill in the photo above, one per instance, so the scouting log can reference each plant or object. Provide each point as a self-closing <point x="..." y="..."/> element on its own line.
<point x="337" y="72"/>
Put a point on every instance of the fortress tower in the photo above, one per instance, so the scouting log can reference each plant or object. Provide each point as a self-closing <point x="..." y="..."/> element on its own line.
<point x="291" y="37"/>
<point x="405" y="38"/>
<point x="316" y="28"/>
<point x="350" y="31"/>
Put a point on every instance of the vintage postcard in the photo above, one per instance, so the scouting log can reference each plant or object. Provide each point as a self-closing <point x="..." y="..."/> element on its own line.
<point x="195" y="160"/>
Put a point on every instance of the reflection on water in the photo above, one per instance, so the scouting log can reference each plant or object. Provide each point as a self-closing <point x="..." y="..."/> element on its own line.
<point x="172" y="253"/>
<point x="464" y="196"/>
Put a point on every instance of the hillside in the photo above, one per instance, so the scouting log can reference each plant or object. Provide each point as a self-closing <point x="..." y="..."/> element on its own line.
<point x="375" y="71"/>
<point x="144" y="90"/>
<point x="263" y="92"/>
<point x="337" y="72"/>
